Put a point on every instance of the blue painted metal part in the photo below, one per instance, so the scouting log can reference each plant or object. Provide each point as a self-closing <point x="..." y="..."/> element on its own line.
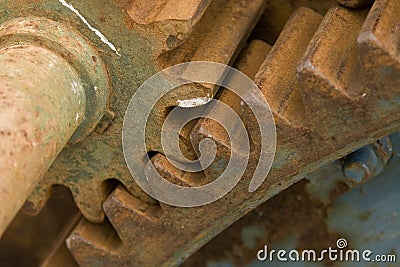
<point x="370" y="160"/>
<point x="366" y="216"/>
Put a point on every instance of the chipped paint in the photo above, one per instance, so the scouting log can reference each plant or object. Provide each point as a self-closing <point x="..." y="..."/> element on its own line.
<point x="194" y="102"/>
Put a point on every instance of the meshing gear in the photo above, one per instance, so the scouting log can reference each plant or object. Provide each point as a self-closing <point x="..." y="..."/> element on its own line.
<point x="330" y="77"/>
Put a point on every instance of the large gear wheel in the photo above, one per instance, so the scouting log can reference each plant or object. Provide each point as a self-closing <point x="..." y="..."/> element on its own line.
<point x="330" y="73"/>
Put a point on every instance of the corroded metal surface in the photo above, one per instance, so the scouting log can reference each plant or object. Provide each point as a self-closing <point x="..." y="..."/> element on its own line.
<point x="313" y="214"/>
<point x="143" y="46"/>
<point x="176" y="227"/>
<point x="54" y="90"/>
<point x="327" y="100"/>
<point x="77" y="51"/>
<point x="230" y="22"/>
<point x="324" y="106"/>
<point x="42" y="104"/>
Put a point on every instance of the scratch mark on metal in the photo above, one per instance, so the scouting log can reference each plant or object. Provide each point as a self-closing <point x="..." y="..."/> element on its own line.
<point x="96" y="31"/>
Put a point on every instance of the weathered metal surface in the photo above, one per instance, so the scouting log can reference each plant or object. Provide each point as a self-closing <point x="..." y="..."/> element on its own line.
<point x="301" y="217"/>
<point x="190" y="219"/>
<point x="62" y="91"/>
<point x="162" y="23"/>
<point x="316" y="92"/>
<point x="229" y="22"/>
<point x="331" y="80"/>
<point x="161" y="10"/>
<point x="249" y="63"/>
<point x="187" y="230"/>
<point x="379" y="53"/>
<point x="175" y="226"/>
<point x="144" y="45"/>
<point x="313" y="214"/>
<point x="297" y="213"/>
<point x="42" y="104"/>
<point x="77" y="51"/>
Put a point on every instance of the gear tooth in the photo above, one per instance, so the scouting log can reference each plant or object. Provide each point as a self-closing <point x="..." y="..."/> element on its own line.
<point x="207" y="128"/>
<point x="137" y="222"/>
<point x="313" y="89"/>
<point x="278" y="81"/>
<point x="378" y="45"/>
<point x="186" y="221"/>
<point x="175" y="175"/>
<point x="183" y="219"/>
<point x="216" y="24"/>
<point x="177" y="26"/>
<point x="89" y="200"/>
<point x="327" y="68"/>
<point x="130" y="216"/>
<point x="329" y="74"/>
<point x="277" y="77"/>
<point x="90" y="243"/>
<point x="249" y="61"/>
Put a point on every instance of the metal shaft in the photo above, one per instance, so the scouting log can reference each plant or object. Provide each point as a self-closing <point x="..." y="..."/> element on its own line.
<point x="42" y="102"/>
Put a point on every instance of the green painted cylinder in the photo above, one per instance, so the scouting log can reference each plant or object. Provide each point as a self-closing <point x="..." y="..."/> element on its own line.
<point x="42" y="102"/>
